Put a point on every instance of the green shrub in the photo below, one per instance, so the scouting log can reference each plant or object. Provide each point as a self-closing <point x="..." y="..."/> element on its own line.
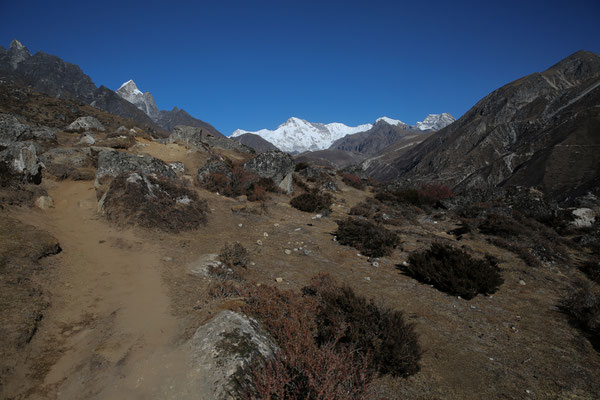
<point x="454" y="271"/>
<point x="312" y="202"/>
<point x="370" y="239"/>
<point x="360" y="324"/>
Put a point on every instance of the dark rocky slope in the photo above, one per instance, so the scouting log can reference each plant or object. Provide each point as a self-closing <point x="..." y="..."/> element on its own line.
<point x="256" y="142"/>
<point x="541" y="130"/>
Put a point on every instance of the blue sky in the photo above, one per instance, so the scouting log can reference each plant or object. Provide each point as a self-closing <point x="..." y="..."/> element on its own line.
<point x="253" y="64"/>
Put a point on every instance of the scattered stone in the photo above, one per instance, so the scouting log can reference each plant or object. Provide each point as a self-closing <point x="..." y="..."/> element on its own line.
<point x="205" y="266"/>
<point x="375" y="264"/>
<point x="240" y="225"/>
<point x="178" y="167"/>
<point x="307" y="252"/>
<point x="584" y="217"/>
<point x="278" y="280"/>
<point x="259" y="242"/>
<point x="168" y="259"/>
<point x="87" y="139"/>
<point x="265" y="234"/>
<point x="522" y="282"/>
<point x="44" y="202"/>
<point x="287" y="251"/>
<point x="367" y="278"/>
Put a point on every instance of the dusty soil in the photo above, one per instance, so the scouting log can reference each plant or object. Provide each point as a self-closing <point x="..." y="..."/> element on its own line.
<point x="122" y="303"/>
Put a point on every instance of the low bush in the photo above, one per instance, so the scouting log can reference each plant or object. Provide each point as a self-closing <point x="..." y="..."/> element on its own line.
<point x="501" y="226"/>
<point x="355" y="322"/>
<point x="370" y="239"/>
<point x="432" y="193"/>
<point x="592" y="270"/>
<point x="241" y="183"/>
<point x="352" y="180"/>
<point x="582" y="305"/>
<point x="312" y="202"/>
<point x="400" y="197"/>
<point x="302" y="369"/>
<point x="454" y="271"/>
<point x="377" y="211"/>
<point x="234" y="255"/>
<point x="300" y="166"/>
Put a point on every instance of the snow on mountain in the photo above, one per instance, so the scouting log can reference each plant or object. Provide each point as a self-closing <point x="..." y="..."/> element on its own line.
<point x="390" y="121"/>
<point x="144" y="101"/>
<point x="298" y="135"/>
<point x="435" y="122"/>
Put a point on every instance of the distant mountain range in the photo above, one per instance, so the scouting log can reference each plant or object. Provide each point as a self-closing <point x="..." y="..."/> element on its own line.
<point x="297" y="135"/>
<point x="51" y="75"/>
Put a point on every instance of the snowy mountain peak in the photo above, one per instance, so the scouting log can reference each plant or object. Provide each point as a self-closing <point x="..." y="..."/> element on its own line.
<point x="298" y="135"/>
<point x="435" y="122"/>
<point x="390" y="121"/>
<point x="16" y="45"/>
<point x="144" y="101"/>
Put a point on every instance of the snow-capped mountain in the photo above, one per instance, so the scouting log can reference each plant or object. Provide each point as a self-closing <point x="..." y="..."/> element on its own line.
<point x="298" y="135"/>
<point x="390" y="121"/>
<point x="435" y="122"/>
<point x="144" y="101"/>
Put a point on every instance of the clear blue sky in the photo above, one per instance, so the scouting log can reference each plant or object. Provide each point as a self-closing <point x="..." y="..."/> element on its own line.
<point x="253" y="64"/>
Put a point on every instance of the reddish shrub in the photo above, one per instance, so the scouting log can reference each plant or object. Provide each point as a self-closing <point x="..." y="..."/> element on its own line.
<point x="435" y="192"/>
<point x="219" y="183"/>
<point x="352" y="180"/>
<point x="301" y="369"/>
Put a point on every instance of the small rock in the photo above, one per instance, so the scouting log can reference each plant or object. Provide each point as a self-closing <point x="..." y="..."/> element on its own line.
<point x="522" y="282"/>
<point x="307" y="252"/>
<point x="276" y="225"/>
<point x="168" y="259"/>
<point x="297" y="229"/>
<point x="265" y="234"/>
<point x="375" y="264"/>
<point x="278" y="279"/>
<point x="240" y="225"/>
<point x="287" y="251"/>
<point x="252" y="263"/>
<point x="367" y="278"/>
<point x="259" y="242"/>
<point x="44" y="202"/>
<point x="319" y="216"/>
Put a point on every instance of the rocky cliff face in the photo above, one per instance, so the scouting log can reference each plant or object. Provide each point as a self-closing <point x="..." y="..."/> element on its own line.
<point x="144" y="101"/>
<point x="170" y="119"/>
<point x="256" y="142"/>
<point x="540" y="130"/>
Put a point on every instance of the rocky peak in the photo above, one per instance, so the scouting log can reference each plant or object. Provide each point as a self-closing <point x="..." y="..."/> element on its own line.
<point x="435" y="122"/>
<point x="144" y="101"/>
<point x="17" y="53"/>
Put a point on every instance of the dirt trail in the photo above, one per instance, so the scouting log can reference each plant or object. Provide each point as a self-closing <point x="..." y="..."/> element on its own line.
<point x="109" y="309"/>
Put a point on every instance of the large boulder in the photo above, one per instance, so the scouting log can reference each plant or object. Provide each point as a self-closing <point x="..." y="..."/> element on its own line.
<point x="112" y="163"/>
<point x="213" y="166"/>
<point x="85" y="124"/>
<point x="77" y="163"/>
<point x="11" y="131"/>
<point x="275" y="165"/>
<point x="21" y="162"/>
<point x="152" y="202"/>
<point x="222" y="352"/>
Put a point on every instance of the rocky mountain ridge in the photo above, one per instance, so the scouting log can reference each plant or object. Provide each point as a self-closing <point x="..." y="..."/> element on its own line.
<point x="540" y="130"/>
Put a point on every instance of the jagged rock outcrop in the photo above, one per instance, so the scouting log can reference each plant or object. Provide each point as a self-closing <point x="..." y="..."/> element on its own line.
<point x="540" y="130"/>
<point x="272" y="164"/>
<point x="222" y="352"/>
<point x="11" y="131"/>
<point x="85" y="124"/>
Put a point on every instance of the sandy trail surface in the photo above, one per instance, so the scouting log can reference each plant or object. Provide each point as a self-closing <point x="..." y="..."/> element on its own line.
<point x="110" y="313"/>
